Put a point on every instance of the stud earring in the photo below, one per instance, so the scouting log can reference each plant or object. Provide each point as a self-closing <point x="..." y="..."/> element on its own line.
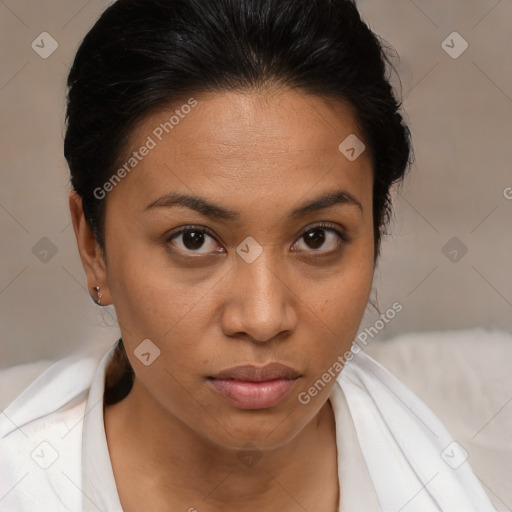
<point x="97" y="290"/>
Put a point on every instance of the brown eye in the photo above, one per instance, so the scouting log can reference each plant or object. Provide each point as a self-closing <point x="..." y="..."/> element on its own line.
<point x="192" y="240"/>
<point x="315" y="238"/>
<point x="318" y="237"/>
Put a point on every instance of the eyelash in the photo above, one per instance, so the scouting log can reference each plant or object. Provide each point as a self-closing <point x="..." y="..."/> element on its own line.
<point x="203" y="229"/>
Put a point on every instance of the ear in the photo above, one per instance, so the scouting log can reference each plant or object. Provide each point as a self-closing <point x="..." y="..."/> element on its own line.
<point x="90" y="251"/>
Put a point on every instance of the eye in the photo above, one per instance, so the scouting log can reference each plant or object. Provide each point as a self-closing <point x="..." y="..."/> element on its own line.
<point x="320" y="236"/>
<point x="193" y="238"/>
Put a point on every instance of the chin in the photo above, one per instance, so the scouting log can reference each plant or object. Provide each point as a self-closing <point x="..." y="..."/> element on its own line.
<point x="266" y="430"/>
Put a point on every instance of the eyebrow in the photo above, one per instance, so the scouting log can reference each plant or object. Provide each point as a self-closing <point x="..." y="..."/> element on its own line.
<point x="216" y="211"/>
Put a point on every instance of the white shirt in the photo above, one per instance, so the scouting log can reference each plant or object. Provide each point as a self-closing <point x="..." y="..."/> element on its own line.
<point x="393" y="453"/>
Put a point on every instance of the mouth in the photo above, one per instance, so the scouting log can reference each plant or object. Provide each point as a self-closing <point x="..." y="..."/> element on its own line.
<point x="250" y="387"/>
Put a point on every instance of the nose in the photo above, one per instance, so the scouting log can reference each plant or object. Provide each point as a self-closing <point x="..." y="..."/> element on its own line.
<point x="261" y="303"/>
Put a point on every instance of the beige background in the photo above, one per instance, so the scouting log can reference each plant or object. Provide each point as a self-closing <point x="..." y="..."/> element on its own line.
<point x="460" y="114"/>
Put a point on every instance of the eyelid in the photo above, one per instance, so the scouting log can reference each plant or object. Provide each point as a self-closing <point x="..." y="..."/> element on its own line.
<point x="327" y="226"/>
<point x="191" y="227"/>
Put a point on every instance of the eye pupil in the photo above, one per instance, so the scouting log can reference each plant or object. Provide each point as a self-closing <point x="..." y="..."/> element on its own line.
<point x="193" y="239"/>
<point x="315" y="238"/>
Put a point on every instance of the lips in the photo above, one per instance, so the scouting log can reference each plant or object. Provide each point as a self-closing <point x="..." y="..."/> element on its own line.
<point x="249" y="373"/>
<point x="251" y="387"/>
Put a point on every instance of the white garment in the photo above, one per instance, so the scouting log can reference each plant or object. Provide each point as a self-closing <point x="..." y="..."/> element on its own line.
<point x="393" y="453"/>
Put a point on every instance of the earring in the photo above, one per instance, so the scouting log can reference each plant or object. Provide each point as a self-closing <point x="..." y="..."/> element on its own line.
<point x="97" y="290"/>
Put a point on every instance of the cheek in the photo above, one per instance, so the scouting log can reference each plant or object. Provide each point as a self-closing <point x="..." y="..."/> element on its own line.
<point x="169" y="391"/>
<point x="339" y="319"/>
<point x="150" y="296"/>
<point x="339" y="303"/>
<point x="153" y="301"/>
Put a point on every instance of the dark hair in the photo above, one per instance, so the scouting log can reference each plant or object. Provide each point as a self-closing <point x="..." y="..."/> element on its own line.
<point x="119" y="375"/>
<point x="143" y="55"/>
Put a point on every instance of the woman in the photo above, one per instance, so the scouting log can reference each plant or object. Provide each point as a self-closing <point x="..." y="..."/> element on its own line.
<point x="231" y="163"/>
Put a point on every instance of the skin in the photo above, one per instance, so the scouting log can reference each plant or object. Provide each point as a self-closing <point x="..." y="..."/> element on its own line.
<point x="261" y="154"/>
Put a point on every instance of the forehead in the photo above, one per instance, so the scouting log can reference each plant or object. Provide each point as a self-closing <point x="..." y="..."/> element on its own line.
<point x="248" y="141"/>
<point x="277" y="120"/>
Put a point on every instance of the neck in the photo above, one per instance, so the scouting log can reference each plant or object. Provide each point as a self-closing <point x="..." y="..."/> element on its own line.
<point x="174" y="464"/>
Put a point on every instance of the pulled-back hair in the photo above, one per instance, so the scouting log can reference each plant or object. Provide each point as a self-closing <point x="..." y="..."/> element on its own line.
<point x="144" y="55"/>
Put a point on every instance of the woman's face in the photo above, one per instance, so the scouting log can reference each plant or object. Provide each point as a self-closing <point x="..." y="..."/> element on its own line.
<point x="254" y="280"/>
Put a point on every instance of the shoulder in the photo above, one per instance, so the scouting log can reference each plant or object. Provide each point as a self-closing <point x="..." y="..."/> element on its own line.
<point x="14" y="379"/>
<point x="41" y="435"/>
<point x="395" y="425"/>
<point x="55" y="389"/>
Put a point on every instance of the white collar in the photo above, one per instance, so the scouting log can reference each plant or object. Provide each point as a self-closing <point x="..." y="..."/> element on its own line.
<point x="98" y="483"/>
